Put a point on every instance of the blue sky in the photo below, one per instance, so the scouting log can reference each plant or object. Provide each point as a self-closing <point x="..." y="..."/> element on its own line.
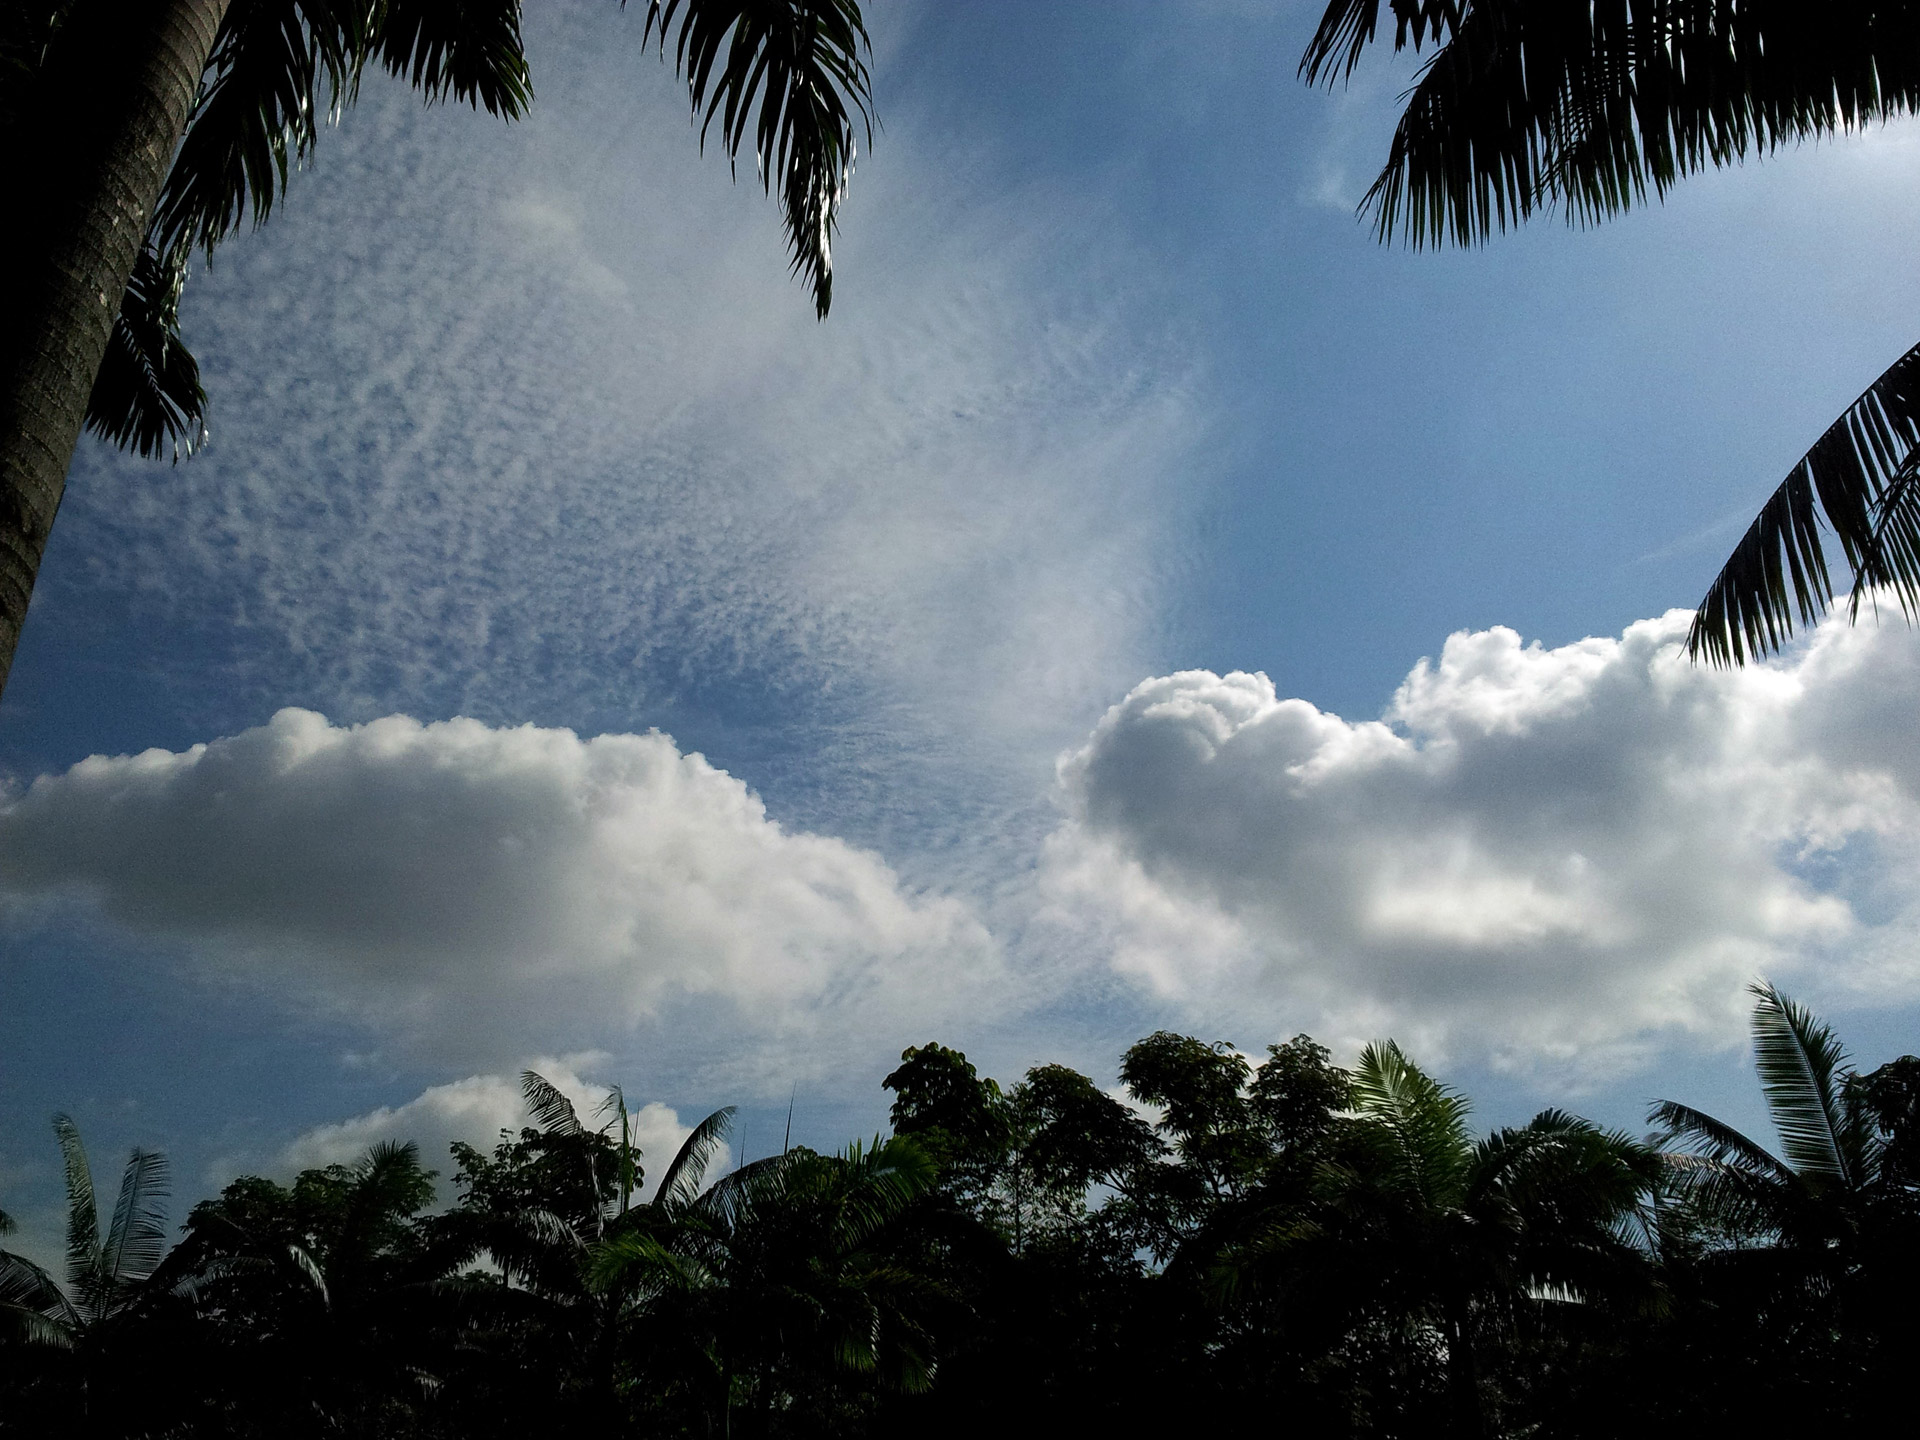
<point x="526" y="428"/>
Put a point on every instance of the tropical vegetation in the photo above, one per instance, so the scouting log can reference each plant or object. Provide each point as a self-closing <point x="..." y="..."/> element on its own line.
<point x="1531" y="106"/>
<point x="1224" y="1238"/>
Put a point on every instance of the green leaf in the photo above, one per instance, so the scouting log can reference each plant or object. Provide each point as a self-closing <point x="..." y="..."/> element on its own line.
<point x="551" y="1111"/>
<point x="1803" y="1071"/>
<point x="467" y="49"/>
<point x="1533" y="105"/>
<point x="688" y="1169"/>
<point x="137" y="1236"/>
<point x="147" y="393"/>
<point x="1423" y="1123"/>
<point x="792" y="72"/>
<point x="83" y="1217"/>
<point x="1860" y="480"/>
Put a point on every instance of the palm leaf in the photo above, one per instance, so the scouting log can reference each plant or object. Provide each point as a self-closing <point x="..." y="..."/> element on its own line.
<point x="278" y="67"/>
<point x="631" y="1173"/>
<point x="551" y="1111"/>
<point x="793" y="72"/>
<point x="879" y="1182"/>
<point x="1859" y="479"/>
<point x="467" y="49"/>
<point x="1423" y="1122"/>
<point x="634" y="1256"/>
<point x="1802" y="1071"/>
<point x="83" y="1216"/>
<point x="258" y="114"/>
<point x="389" y="1185"/>
<point x="682" y="1178"/>
<point x="147" y="393"/>
<point x="32" y="1309"/>
<point x="735" y="1198"/>
<point x="1585" y="108"/>
<point x="1714" y="1140"/>
<point x="137" y="1236"/>
<point x="1349" y="26"/>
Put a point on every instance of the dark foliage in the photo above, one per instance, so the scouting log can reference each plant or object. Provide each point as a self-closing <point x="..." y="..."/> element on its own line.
<point x="1229" y="1237"/>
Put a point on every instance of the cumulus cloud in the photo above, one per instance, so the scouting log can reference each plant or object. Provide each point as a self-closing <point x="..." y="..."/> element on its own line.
<point x="1536" y="856"/>
<point x="482" y="889"/>
<point x="476" y="1110"/>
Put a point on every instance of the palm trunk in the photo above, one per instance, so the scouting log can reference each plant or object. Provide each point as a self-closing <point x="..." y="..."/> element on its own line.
<point x="89" y="158"/>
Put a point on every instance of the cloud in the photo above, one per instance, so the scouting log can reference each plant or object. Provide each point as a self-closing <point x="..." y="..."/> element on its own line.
<point x="1540" y="857"/>
<point x="475" y="1110"/>
<point x="480" y="891"/>
<point x="531" y="422"/>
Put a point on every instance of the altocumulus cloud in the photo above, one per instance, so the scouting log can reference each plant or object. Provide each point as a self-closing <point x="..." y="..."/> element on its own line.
<point x="1538" y="856"/>
<point x="481" y="889"/>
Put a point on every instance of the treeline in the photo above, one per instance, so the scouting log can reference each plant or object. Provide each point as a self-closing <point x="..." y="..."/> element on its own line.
<point x="1287" y="1245"/>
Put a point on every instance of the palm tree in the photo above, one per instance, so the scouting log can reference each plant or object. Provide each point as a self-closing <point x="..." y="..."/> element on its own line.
<point x="319" y="1294"/>
<point x="107" y="1286"/>
<point x="107" y="1271"/>
<point x="1419" y="1233"/>
<point x="1812" y="1193"/>
<point x="776" y="1279"/>
<point x="1792" y="1270"/>
<point x="541" y="1207"/>
<point x="146" y="129"/>
<point x="1530" y="105"/>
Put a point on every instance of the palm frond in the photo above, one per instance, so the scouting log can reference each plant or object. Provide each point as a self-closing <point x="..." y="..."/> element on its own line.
<point x="1349" y="26"/>
<point x="83" y="1215"/>
<point x="278" y="67"/>
<point x="732" y="1200"/>
<point x="551" y="1111"/>
<point x="389" y="1185"/>
<point x="1859" y="479"/>
<point x="1802" y="1070"/>
<point x="1424" y="1122"/>
<point x="258" y="114"/>
<point x="1700" y="1134"/>
<point x="793" y="72"/>
<point x="631" y="1173"/>
<point x="467" y="49"/>
<point x="147" y="393"/>
<point x="300" y="1259"/>
<point x="137" y="1236"/>
<point x="881" y="1180"/>
<point x="32" y="1309"/>
<point x="634" y="1257"/>
<point x="1585" y="108"/>
<point x="30" y="1302"/>
<point x="688" y="1169"/>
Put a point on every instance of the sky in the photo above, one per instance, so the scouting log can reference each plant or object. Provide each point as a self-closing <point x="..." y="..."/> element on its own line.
<point x="1145" y="602"/>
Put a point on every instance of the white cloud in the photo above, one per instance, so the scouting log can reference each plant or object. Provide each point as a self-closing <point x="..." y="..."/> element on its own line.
<point x="1538" y="856"/>
<point x="476" y="1109"/>
<point x="479" y="891"/>
<point x="556" y="437"/>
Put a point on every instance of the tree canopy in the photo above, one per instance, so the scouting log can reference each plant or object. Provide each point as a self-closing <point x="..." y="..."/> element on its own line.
<point x="1225" y="1235"/>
